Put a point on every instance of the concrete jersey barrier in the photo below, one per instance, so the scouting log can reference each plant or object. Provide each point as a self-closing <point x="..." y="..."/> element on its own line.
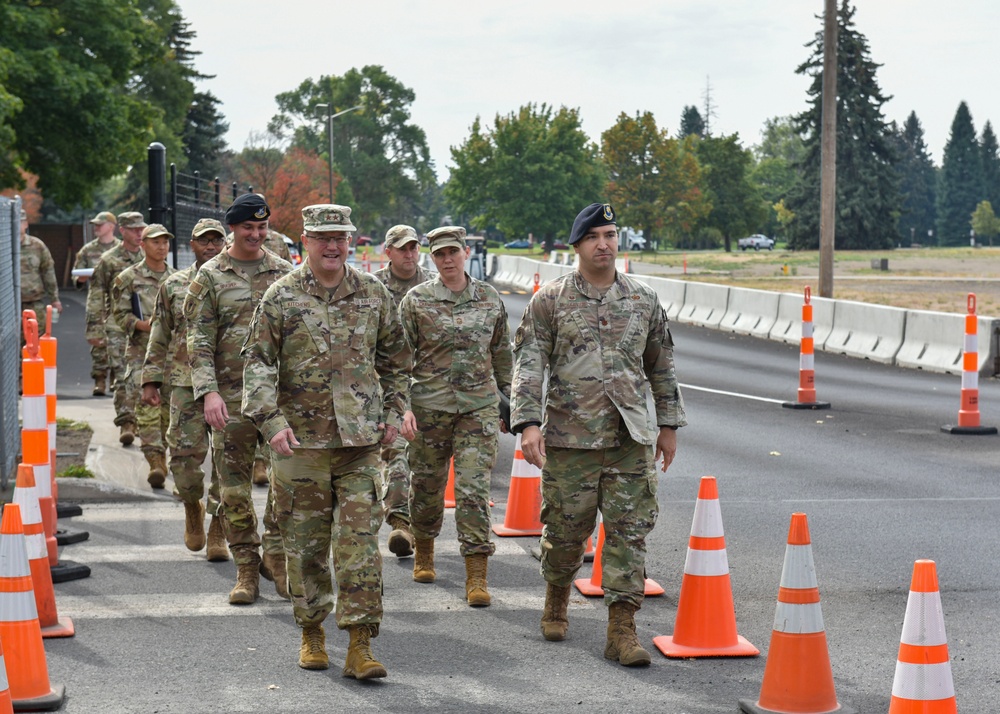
<point x="670" y="292"/>
<point x="934" y="341"/>
<point x="750" y="312"/>
<point x="704" y="304"/>
<point x="788" y="323"/>
<point x="867" y="331"/>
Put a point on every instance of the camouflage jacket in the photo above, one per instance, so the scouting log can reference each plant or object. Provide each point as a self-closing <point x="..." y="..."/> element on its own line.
<point x="602" y="353"/>
<point x="91" y="253"/>
<point x="398" y="288"/>
<point x="99" y="296"/>
<point x="460" y="343"/>
<point x="219" y="305"/>
<point x="138" y="280"/>
<point x="38" y="272"/>
<point x="166" y="360"/>
<point x="329" y="366"/>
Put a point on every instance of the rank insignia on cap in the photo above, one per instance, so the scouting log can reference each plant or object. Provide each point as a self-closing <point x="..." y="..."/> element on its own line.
<point x="261" y="213"/>
<point x="609" y="215"/>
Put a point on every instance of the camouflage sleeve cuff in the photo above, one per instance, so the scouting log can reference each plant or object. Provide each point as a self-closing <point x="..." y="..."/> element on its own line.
<point x="272" y="425"/>
<point x="518" y="428"/>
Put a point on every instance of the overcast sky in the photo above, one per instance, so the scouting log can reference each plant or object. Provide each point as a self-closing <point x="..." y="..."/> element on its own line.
<point x="464" y="58"/>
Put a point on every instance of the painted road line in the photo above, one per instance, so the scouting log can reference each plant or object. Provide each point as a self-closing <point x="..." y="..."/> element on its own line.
<point x="733" y="394"/>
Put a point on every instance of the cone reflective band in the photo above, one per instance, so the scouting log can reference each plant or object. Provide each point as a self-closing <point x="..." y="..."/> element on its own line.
<point x="524" y="498"/>
<point x="968" y="413"/>
<point x="806" y="395"/>
<point x="34" y="407"/>
<point x="798" y="678"/>
<point x="922" y="683"/>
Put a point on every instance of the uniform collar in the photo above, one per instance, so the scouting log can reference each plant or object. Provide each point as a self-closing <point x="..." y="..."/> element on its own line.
<point x="618" y="290"/>
<point x="443" y="292"/>
<point x="269" y="262"/>
<point x="349" y="285"/>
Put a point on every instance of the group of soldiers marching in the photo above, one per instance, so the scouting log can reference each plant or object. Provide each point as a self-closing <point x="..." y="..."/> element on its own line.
<point x="359" y="390"/>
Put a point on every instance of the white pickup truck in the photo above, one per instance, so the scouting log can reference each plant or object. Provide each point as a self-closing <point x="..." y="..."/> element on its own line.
<point x="756" y="242"/>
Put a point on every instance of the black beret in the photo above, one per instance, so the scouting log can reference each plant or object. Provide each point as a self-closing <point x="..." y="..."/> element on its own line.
<point x="248" y="207"/>
<point x="594" y="215"/>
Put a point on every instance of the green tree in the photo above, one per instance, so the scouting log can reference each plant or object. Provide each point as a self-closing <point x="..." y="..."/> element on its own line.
<point x="652" y="183"/>
<point x="961" y="185"/>
<point x="737" y="205"/>
<point x="531" y="172"/>
<point x="204" y="145"/>
<point x="691" y="122"/>
<point x="991" y="164"/>
<point x="867" y="195"/>
<point x="774" y="173"/>
<point x="917" y="181"/>
<point x="984" y="222"/>
<point x="381" y="154"/>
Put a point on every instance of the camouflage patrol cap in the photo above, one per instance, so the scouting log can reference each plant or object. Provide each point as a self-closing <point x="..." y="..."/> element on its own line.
<point x="324" y="217"/>
<point x="446" y="236"/>
<point x="132" y="219"/>
<point x="104" y="217"/>
<point x="155" y="230"/>
<point x="398" y="236"/>
<point x="207" y="225"/>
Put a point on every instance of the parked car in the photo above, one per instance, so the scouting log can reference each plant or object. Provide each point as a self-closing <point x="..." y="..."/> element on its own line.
<point x="518" y="244"/>
<point x="756" y="241"/>
<point x="636" y="243"/>
<point x="364" y="240"/>
<point x="293" y="250"/>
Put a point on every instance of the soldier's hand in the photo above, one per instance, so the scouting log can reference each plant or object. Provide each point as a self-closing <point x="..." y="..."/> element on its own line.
<point x="533" y="446"/>
<point x="409" y="430"/>
<point x="143" y="325"/>
<point x="150" y="395"/>
<point x="283" y="441"/>
<point x="503" y="427"/>
<point x="390" y="435"/>
<point x="95" y="341"/>
<point x="666" y="446"/>
<point x="216" y="413"/>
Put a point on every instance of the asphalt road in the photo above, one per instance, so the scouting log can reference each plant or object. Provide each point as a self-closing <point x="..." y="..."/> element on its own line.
<point x="881" y="484"/>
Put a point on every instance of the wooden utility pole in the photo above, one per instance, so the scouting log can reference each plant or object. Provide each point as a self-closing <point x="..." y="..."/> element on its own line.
<point x="828" y="156"/>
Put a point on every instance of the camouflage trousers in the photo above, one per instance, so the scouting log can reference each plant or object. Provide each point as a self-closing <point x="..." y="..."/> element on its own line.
<point x="232" y="457"/>
<point x="116" y="344"/>
<point x="327" y="497"/>
<point x="188" y="438"/>
<point x="396" y="479"/>
<point x="151" y="422"/>
<point x="99" y="363"/>
<point x="621" y="483"/>
<point x="472" y="439"/>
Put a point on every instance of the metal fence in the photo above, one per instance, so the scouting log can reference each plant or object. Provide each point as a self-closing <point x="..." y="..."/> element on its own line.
<point x="10" y="335"/>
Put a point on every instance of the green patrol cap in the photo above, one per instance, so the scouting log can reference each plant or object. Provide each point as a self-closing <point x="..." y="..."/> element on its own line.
<point x="446" y="236"/>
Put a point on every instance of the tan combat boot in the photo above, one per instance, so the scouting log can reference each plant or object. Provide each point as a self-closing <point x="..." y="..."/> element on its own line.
<point x="423" y="560"/>
<point x="555" y="622"/>
<point x="127" y="434"/>
<point x="100" y="386"/>
<point x="623" y="644"/>
<point x="247" y="586"/>
<point x="217" y="550"/>
<point x="157" y="468"/>
<point x="272" y="567"/>
<point x="400" y="539"/>
<point x="194" y="525"/>
<point x="312" y="654"/>
<point x="260" y="472"/>
<point x="360" y="662"/>
<point x="475" y="580"/>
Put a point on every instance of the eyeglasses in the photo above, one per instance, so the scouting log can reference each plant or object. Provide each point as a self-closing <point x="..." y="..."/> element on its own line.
<point x="338" y="239"/>
<point x="205" y="240"/>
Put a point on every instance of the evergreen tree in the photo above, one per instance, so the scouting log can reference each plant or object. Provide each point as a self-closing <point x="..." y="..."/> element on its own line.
<point x="917" y="182"/>
<point x="961" y="186"/>
<point x="867" y="194"/>
<point x="691" y="122"/>
<point x="203" y="132"/>
<point x="991" y="165"/>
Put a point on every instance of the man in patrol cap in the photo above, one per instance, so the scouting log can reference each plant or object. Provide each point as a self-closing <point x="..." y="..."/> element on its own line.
<point x="603" y="338"/>
<point x="90" y="254"/>
<point x="403" y="272"/>
<point x="325" y="378"/>
<point x="38" y="276"/>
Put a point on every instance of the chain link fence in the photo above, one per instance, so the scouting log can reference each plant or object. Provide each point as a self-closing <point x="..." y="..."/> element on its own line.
<point x="192" y="198"/>
<point x="10" y="335"/>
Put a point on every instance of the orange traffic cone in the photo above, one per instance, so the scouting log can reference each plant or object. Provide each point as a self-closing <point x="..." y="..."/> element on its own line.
<point x="797" y="676"/>
<point x="923" y="684"/>
<point x="706" y="617"/>
<point x="593" y="587"/>
<point x="27" y="671"/>
<point x="968" y="411"/>
<point x="807" y="366"/>
<point x="524" y="498"/>
<point x="6" y="705"/>
<point x="449" y="489"/>
<point x="26" y="496"/>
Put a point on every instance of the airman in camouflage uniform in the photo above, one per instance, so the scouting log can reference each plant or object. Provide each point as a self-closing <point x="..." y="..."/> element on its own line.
<point x="166" y="363"/>
<point x="133" y="296"/>
<point x="89" y="256"/>
<point x="38" y="277"/>
<point x="457" y="329"/>
<point x="403" y="272"/>
<point x="218" y="307"/>
<point x="603" y="338"/>
<point x="101" y="326"/>
<point x="324" y="382"/>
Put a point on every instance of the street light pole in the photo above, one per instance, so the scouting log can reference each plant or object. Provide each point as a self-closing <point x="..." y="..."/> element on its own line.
<point x="330" y="116"/>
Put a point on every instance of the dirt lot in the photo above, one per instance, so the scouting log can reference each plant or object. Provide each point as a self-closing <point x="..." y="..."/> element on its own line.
<point x="923" y="279"/>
